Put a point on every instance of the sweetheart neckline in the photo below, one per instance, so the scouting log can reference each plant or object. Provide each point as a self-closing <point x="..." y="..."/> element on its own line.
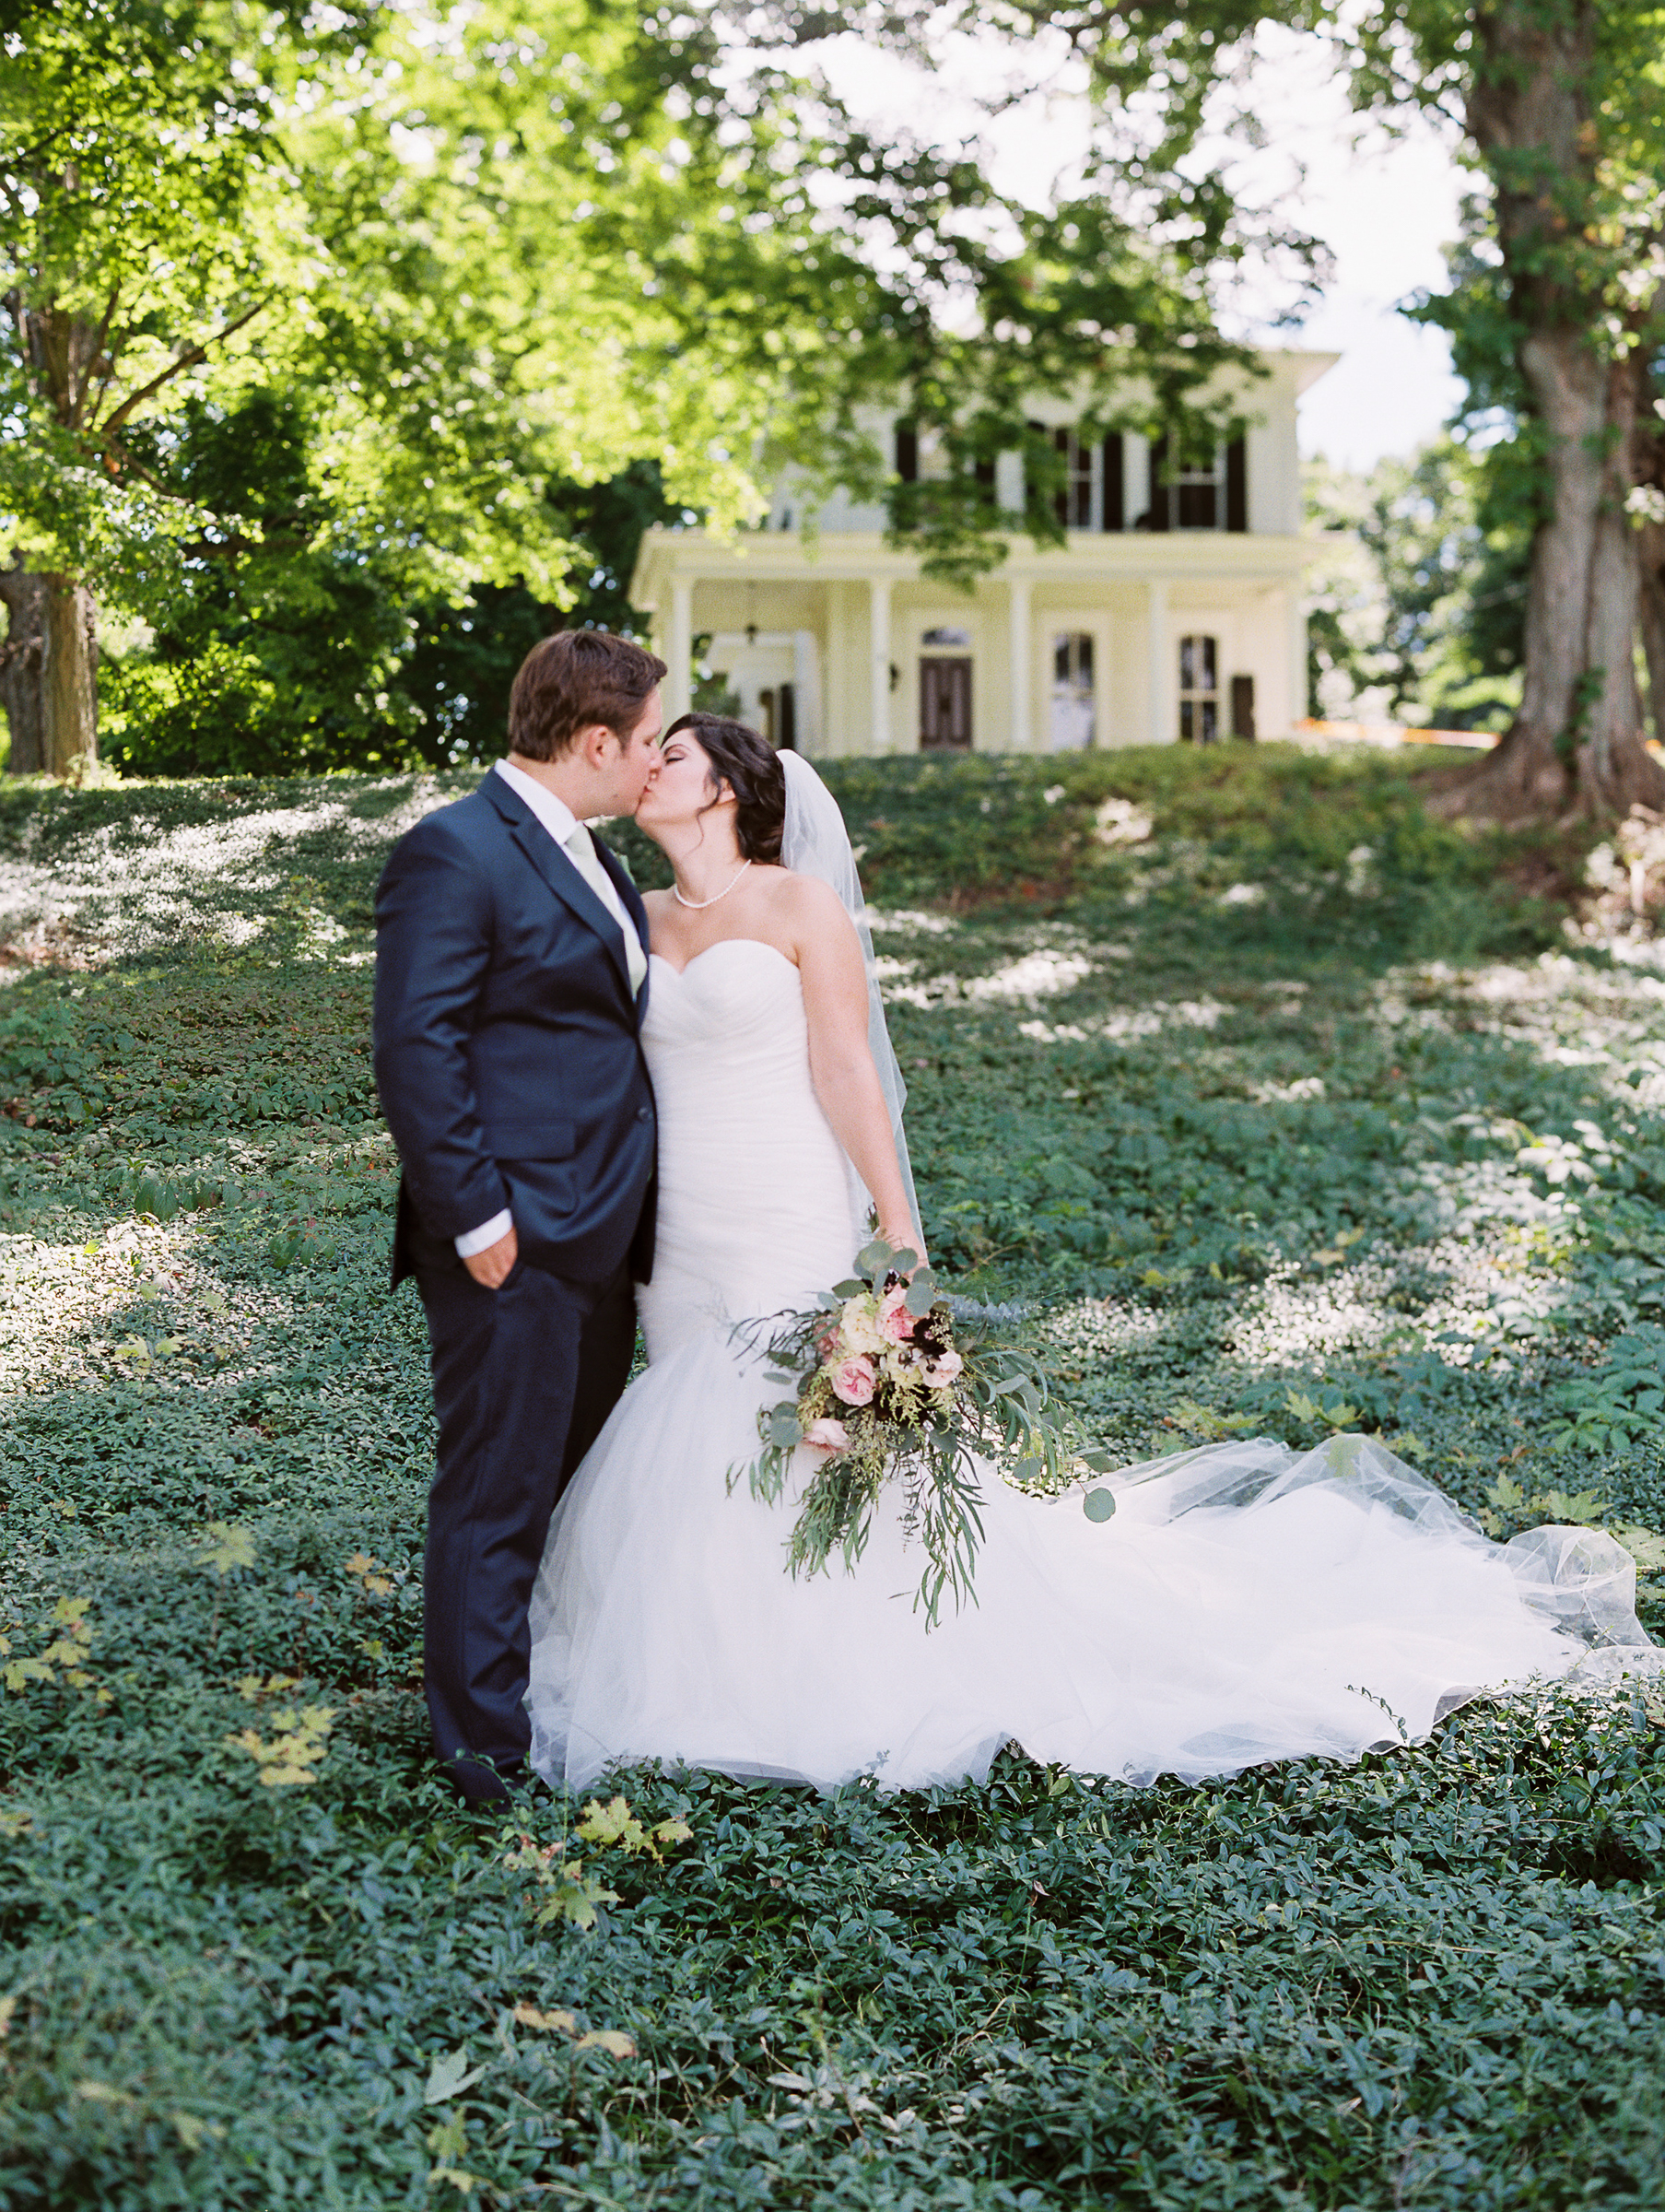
<point x="762" y="942"/>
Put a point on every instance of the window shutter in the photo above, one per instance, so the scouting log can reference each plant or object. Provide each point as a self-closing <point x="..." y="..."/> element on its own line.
<point x="1114" y="493"/>
<point x="1237" y="486"/>
<point x="1161" y="492"/>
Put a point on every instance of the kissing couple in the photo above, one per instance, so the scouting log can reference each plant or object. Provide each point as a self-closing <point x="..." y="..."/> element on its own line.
<point x="683" y="1110"/>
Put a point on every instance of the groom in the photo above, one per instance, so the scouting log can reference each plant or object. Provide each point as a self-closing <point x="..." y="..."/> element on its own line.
<point x="510" y="982"/>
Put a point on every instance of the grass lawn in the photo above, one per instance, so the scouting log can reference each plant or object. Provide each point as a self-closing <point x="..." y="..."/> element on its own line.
<point x="1279" y="1105"/>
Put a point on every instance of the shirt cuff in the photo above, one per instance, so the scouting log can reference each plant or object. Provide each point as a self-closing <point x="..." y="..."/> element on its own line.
<point x="489" y="1233"/>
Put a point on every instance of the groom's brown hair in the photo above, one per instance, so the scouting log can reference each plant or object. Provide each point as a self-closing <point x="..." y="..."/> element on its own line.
<point x="573" y="680"/>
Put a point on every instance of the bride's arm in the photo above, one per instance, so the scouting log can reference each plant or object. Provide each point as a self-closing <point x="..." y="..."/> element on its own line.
<point x="840" y="1062"/>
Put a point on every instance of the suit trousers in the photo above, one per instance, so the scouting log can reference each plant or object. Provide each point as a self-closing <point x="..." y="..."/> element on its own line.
<point x="524" y="1378"/>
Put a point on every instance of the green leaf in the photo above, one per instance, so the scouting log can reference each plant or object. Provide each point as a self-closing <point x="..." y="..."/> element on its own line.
<point x="449" y="2077"/>
<point x="229" y="1549"/>
<point x="1098" y="1505"/>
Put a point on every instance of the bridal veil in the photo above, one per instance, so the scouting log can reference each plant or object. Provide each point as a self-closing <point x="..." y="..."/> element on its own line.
<point x="816" y="842"/>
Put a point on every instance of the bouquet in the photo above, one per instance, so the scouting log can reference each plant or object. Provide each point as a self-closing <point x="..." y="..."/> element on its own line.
<point x="885" y="1389"/>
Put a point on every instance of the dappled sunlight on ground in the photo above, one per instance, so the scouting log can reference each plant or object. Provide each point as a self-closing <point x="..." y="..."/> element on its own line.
<point x="1569" y="1012"/>
<point x="58" y="1302"/>
<point x="136" y="882"/>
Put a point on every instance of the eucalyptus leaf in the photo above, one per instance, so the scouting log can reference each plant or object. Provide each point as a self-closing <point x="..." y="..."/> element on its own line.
<point x="1098" y="1505"/>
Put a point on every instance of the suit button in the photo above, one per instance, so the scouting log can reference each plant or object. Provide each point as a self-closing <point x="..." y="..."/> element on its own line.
<point x="644" y="1113"/>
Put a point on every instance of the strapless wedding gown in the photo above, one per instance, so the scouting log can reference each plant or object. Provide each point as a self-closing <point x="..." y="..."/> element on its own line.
<point x="1246" y="1602"/>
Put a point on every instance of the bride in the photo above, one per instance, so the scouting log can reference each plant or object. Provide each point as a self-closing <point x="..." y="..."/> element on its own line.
<point x="1246" y="1602"/>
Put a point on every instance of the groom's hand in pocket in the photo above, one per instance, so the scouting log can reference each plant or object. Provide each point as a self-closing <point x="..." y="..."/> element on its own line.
<point x="492" y="1267"/>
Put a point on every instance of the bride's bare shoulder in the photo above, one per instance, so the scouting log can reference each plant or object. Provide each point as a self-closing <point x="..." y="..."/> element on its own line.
<point x="811" y="911"/>
<point x="804" y="897"/>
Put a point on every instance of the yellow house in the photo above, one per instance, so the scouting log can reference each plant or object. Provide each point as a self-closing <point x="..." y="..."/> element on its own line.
<point x="1173" y="611"/>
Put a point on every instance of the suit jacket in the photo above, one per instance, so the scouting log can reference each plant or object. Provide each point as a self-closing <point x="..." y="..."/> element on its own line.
<point x="507" y="1044"/>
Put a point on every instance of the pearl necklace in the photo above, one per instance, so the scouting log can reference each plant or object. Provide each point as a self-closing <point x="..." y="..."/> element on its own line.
<point x="698" y="906"/>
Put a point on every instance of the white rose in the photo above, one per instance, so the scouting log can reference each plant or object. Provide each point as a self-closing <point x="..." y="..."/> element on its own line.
<point x="859" y="1324"/>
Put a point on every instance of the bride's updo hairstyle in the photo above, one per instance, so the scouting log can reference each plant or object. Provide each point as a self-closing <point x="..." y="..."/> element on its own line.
<point x="751" y="767"/>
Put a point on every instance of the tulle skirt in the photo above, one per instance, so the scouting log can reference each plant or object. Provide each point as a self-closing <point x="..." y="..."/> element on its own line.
<point x="1246" y="1603"/>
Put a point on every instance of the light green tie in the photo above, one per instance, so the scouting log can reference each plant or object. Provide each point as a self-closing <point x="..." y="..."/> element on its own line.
<point x="581" y="847"/>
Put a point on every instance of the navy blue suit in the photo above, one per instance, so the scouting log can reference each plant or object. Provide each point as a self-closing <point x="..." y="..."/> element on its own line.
<point x="509" y="1063"/>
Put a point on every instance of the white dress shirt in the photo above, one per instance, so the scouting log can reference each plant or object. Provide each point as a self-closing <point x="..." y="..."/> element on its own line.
<point x="572" y="835"/>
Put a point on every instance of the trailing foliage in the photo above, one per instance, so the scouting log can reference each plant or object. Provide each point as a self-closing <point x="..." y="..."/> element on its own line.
<point x="1275" y="1107"/>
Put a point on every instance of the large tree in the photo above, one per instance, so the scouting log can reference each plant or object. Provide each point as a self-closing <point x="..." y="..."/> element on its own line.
<point x="1563" y="103"/>
<point x="1561" y="108"/>
<point x="303" y="323"/>
<point x="124" y="261"/>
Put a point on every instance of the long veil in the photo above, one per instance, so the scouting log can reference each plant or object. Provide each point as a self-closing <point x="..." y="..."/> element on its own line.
<point x="816" y="842"/>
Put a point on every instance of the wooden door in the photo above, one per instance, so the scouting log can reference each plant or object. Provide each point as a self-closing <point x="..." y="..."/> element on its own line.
<point x="945" y="705"/>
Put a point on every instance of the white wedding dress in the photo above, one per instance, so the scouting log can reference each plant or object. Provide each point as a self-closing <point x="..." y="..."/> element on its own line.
<point x="1246" y="1602"/>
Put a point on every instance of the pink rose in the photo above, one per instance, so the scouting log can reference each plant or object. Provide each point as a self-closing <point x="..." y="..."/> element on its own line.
<point x="895" y="1322"/>
<point x="941" y="1370"/>
<point x="826" y="1435"/>
<point x="854" y="1381"/>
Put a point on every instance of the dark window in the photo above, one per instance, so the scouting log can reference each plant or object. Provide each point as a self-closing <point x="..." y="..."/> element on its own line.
<point x="1242" y="706"/>
<point x="1158" y="515"/>
<point x="1074" y="720"/>
<point x="1191" y="492"/>
<point x="1198" y="502"/>
<point x="1074" y="501"/>
<point x="907" y="452"/>
<point x="1199" y="689"/>
<point x="786" y="719"/>
<point x="1114" y="492"/>
<point x="945" y="705"/>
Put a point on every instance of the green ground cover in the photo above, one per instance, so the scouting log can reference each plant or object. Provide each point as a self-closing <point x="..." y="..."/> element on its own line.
<point x="1281" y="1106"/>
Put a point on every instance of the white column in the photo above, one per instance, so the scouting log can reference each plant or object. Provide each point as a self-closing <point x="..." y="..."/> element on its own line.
<point x="835" y="685"/>
<point x="878" y="647"/>
<point x="806" y="691"/>
<point x="1018" y="612"/>
<point x="1298" y="708"/>
<point x="679" y="651"/>
<point x="1164" y="725"/>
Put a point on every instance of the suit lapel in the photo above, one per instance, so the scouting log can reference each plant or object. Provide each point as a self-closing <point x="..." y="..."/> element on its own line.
<point x="554" y="864"/>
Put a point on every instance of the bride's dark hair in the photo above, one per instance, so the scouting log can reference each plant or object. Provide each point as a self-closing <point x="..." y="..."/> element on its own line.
<point x="751" y="767"/>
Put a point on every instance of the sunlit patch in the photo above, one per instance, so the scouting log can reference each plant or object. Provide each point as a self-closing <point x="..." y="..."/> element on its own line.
<point x="1132" y="1026"/>
<point x="136" y="885"/>
<point x="56" y="1298"/>
<point x="1103" y="1326"/>
<point x="908" y="921"/>
<point x="1565" y="1012"/>
<point x="1287" y="1094"/>
<point x="1122" y="822"/>
<point x="1294" y="1318"/>
<point x="1045" y="973"/>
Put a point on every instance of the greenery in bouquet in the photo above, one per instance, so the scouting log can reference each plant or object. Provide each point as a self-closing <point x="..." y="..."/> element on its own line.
<point x="892" y="1387"/>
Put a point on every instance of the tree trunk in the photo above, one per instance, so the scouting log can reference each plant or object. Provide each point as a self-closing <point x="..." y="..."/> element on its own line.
<point x="1648" y="468"/>
<point x="63" y="354"/>
<point x="24" y="595"/>
<point x="69" y="679"/>
<point x="1577" y="744"/>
